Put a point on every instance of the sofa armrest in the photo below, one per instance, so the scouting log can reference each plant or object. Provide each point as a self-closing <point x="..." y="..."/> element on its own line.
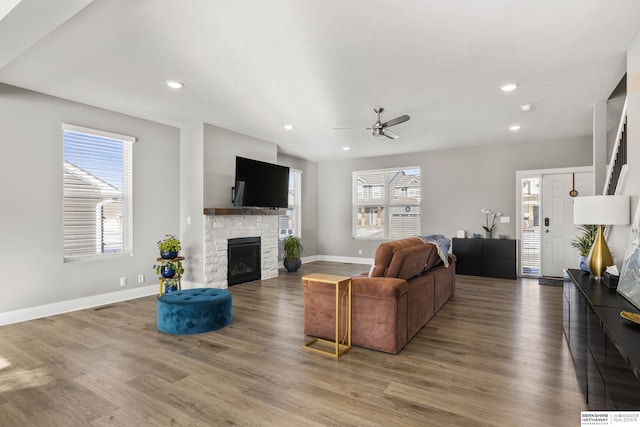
<point x="379" y="287"/>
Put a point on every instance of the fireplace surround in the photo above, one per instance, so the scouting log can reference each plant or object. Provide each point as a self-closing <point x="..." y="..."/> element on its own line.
<point x="222" y="224"/>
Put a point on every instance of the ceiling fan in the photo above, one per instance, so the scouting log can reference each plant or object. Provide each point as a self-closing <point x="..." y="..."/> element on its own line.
<point x="382" y="129"/>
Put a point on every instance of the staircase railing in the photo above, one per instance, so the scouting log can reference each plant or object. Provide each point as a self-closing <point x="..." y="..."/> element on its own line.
<point x="617" y="167"/>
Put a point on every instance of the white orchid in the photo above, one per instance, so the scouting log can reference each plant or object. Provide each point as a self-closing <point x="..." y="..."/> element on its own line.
<point x="489" y="213"/>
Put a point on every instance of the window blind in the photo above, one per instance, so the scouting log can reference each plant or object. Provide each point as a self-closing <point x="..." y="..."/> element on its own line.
<point x="97" y="182"/>
<point x="290" y="224"/>
<point x="386" y="203"/>
<point x="530" y="226"/>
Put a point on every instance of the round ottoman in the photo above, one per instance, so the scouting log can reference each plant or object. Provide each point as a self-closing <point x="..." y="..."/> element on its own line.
<point x="192" y="311"/>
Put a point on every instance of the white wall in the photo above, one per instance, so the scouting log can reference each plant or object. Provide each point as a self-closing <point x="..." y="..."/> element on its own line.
<point x="456" y="184"/>
<point x="31" y="252"/>
<point x="619" y="235"/>
<point x="192" y="202"/>
<point x="221" y="146"/>
<point x="310" y="211"/>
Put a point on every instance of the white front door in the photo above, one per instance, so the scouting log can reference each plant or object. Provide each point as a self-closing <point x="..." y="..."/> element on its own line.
<point x="558" y="229"/>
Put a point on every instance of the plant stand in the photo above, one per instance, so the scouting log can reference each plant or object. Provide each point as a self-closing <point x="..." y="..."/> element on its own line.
<point x="177" y="277"/>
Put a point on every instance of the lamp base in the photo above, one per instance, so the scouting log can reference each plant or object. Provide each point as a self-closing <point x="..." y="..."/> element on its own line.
<point x="600" y="256"/>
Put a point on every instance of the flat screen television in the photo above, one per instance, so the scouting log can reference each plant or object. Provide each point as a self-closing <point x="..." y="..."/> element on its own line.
<point x="261" y="184"/>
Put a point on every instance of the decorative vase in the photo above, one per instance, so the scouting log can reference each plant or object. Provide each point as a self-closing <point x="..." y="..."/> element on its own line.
<point x="168" y="255"/>
<point x="168" y="289"/>
<point x="167" y="272"/>
<point x="583" y="263"/>
<point x="488" y="234"/>
<point x="292" y="264"/>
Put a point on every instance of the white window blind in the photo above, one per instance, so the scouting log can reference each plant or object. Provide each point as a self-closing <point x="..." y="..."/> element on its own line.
<point x="386" y="203"/>
<point x="290" y="224"/>
<point x="530" y="249"/>
<point x="97" y="173"/>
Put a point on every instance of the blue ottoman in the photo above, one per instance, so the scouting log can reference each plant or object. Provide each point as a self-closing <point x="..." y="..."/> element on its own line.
<point x="192" y="311"/>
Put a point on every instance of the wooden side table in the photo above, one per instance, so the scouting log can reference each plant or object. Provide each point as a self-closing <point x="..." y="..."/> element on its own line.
<point x="339" y="347"/>
<point x="179" y="277"/>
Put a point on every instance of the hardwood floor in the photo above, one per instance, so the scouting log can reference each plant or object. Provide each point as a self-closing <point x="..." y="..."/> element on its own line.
<point x="494" y="355"/>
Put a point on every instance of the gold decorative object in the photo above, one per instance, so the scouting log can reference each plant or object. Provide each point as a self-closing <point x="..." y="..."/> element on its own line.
<point x="600" y="256"/>
<point x="632" y="317"/>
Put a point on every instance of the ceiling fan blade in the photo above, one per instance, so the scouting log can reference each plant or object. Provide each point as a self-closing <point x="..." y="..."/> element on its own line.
<point x="349" y="128"/>
<point x="396" y="121"/>
<point x="389" y="134"/>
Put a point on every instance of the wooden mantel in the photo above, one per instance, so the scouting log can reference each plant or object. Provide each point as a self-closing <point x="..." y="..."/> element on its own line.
<point x="244" y="211"/>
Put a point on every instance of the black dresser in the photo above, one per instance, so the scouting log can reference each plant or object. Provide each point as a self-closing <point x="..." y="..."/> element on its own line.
<point x="485" y="257"/>
<point x="605" y="347"/>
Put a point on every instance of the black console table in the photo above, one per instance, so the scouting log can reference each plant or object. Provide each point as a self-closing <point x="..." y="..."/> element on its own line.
<point x="485" y="257"/>
<point x="605" y="347"/>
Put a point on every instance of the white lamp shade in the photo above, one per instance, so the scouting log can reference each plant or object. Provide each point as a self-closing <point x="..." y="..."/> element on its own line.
<point x="601" y="210"/>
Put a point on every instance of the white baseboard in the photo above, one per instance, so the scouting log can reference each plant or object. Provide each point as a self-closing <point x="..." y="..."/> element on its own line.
<point x="345" y="259"/>
<point x="46" y="310"/>
<point x="53" y="309"/>
<point x="191" y="285"/>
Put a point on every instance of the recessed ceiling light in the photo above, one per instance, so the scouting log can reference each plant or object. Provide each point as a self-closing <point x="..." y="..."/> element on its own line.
<point x="508" y="87"/>
<point x="515" y="128"/>
<point x="288" y="127"/>
<point x="526" y="107"/>
<point x="174" y="84"/>
<point x="345" y="148"/>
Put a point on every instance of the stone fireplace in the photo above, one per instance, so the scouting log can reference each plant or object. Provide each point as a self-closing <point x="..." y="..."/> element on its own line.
<point x="220" y="225"/>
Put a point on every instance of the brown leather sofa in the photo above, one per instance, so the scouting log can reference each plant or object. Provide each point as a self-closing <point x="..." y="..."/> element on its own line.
<point x="407" y="285"/>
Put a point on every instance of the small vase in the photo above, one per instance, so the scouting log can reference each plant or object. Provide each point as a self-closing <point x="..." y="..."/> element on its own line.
<point x="583" y="263"/>
<point x="488" y="234"/>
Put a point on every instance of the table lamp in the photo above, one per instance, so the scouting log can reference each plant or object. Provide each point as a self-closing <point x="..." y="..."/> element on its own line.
<point x="601" y="211"/>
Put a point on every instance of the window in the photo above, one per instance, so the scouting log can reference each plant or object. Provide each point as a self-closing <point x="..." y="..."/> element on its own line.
<point x="97" y="173"/>
<point x="386" y="203"/>
<point x="290" y="224"/>
<point x="530" y="240"/>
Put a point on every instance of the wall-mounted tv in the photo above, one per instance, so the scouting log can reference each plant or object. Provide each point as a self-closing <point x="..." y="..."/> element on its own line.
<point x="261" y="184"/>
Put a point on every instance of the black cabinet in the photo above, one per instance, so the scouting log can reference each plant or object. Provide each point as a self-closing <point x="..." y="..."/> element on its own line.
<point x="605" y="348"/>
<point x="485" y="257"/>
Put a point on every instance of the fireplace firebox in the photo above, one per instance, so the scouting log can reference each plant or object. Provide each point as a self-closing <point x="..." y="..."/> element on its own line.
<point x="243" y="255"/>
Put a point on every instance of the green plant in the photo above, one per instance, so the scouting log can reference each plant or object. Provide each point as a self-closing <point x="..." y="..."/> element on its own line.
<point x="174" y="265"/>
<point x="583" y="243"/>
<point x="169" y="244"/>
<point x="292" y="247"/>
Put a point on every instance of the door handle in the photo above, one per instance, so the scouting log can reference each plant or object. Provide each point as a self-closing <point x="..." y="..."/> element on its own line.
<point x="546" y="222"/>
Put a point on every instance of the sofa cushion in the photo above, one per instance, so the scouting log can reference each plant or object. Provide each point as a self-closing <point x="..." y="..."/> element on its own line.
<point x="434" y="257"/>
<point x="385" y="252"/>
<point x="410" y="261"/>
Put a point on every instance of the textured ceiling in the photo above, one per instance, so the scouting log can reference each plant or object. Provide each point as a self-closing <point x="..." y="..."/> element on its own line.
<point x="252" y="66"/>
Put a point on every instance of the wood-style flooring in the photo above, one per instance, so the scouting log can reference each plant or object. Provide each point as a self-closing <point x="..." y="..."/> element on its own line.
<point x="495" y="355"/>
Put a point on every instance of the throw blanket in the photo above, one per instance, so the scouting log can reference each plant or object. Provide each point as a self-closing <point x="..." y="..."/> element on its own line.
<point x="442" y="244"/>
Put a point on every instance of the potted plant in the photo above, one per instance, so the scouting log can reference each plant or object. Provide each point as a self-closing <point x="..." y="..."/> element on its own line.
<point x="489" y="228"/>
<point x="584" y="243"/>
<point x="171" y="285"/>
<point x="169" y="269"/>
<point x="292" y="249"/>
<point x="169" y="247"/>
